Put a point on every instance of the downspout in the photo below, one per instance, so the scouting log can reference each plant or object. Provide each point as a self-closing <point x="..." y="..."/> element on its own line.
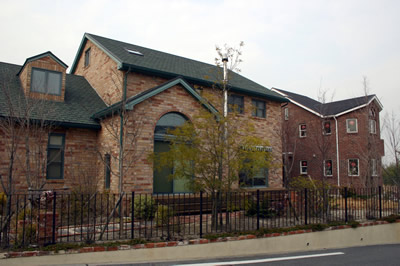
<point x="121" y="132"/>
<point x="337" y="151"/>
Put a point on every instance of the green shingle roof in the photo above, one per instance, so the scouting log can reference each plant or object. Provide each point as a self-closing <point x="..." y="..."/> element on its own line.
<point x="170" y="66"/>
<point x="80" y="103"/>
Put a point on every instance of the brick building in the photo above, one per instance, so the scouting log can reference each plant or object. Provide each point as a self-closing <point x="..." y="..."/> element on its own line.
<point x="338" y="142"/>
<point x="84" y="110"/>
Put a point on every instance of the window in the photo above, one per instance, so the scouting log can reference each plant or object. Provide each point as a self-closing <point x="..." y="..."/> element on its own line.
<point x="303" y="167"/>
<point x="328" y="167"/>
<point x="258" y="108"/>
<point x="372" y="126"/>
<point x="374" y="169"/>
<point x="87" y="57"/>
<point x="55" y="156"/>
<point x="236" y="103"/>
<point x="286" y="110"/>
<point x="107" y="171"/>
<point x="46" y="81"/>
<point x="302" y="130"/>
<point x="351" y="125"/>
<point x="260" y="179"/>
<point x="326" y="127"/>
<point x="353" y="167"/>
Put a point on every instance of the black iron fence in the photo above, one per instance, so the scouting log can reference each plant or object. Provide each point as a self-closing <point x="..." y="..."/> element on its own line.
<point x="54" y="217"/>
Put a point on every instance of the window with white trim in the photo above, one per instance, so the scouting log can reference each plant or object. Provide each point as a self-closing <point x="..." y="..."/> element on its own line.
<point x="302" y="130"/>
<point x="374" y="167"/>
<point x="286" y="112"/>
<point x="353" y="167"/>
<point x="372" y="126"/>
<point x="326" y="128"/>
<point x="328" y="168"/>
<point x="303" y="167"/>
<point x="351" y="125"/>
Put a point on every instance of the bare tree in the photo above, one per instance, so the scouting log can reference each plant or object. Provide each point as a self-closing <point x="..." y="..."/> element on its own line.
<point x="391" y="126"/>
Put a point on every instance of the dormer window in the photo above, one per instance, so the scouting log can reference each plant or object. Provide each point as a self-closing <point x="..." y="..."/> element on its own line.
<point x="46" y="81"/>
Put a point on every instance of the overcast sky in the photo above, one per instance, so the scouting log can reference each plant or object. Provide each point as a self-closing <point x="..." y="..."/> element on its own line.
<point x="302" y="46"/>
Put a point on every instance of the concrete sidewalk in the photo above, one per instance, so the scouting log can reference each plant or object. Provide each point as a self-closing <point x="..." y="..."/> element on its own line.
<point x="361" y="236"/>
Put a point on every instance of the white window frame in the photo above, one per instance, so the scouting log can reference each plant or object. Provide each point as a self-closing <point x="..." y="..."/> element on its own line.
<point x="358" y="167"/>
<point x="374" y="167"/>
<point x="303" y="131"/>
<point x="323" y="128"/>
<point x="286" y="113"/>
<point x="324" y="162"/>
<point x="372" y="126"/>
<point x="301" y="167"/>
<point x="347" y="125"/>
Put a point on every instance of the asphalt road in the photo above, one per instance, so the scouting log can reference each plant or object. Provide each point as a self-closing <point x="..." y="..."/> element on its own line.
<point x="368" y="255"/>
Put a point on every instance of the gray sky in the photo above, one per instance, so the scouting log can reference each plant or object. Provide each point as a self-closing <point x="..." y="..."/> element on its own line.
<point x="302" y="46"/>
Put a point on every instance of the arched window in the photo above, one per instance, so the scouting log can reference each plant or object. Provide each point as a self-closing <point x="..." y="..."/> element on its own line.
<point x="161" y="183"/>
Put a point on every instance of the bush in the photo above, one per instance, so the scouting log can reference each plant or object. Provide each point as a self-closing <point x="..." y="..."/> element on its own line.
<point x="28" y="235"/>
<point x="145" y="207"/>
<point x="268" y="208"/>
<point x="3" y="201"/>
<point x="163" y="215"/>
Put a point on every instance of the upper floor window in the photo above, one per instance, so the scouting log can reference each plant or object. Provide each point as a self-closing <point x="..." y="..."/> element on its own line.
<point x="353" y="167"/>
<point x="302" y="130"/>
<point x="87" y="57"/>
<point x="236" y="103"/>
<point x="351" y="125"/>
<point x="55" y="156"/>
<point x="258" y="108"/>
<point x="326" y="128"/>
<point x="374" y="167"/>
<point x="372" y="126"/>
<point x="328" y="167"/>
<point x="286" y="112"/>
<point x="303" y="167"/>
<point x="46" y="81"/>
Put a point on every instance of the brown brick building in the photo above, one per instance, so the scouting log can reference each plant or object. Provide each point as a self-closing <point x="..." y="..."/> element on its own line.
<point x="85" y="112"/>
<point x="338" y="142"/>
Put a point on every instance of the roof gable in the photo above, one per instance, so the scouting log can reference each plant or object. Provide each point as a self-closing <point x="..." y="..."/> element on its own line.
<point x="170" y="66"/>
<point x="336" y="108"/>
<point x="39" y="56"/>
<point x="134" y="100"/>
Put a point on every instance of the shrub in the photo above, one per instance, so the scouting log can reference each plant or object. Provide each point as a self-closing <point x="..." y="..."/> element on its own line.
<point x="27" y="236"/>
<point x="302" y="182"/>
<point x="268" y="208"/>
<point x="163" y="215"/>
<point x="3" y="201"/>
<point x="145" y="207"/>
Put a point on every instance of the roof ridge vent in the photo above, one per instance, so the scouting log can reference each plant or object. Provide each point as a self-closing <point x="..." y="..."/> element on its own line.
<point x="135" y="52"/>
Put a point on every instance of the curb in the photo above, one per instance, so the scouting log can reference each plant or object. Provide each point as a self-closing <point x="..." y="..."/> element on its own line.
<point x="200" y="241"/>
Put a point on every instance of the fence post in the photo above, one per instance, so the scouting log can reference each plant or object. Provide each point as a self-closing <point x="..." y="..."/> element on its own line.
<point x="201" y="214"/>
<point x="380" y="202"/>
<point x="258" y="209"/>
<point x="345" y="205"/>
<point x="305" y="206"/>
<point x="133" y="215"/>
<point x="53" y="237"/>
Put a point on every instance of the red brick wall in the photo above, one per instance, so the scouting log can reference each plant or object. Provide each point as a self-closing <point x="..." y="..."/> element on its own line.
<point x="351" y="145"/>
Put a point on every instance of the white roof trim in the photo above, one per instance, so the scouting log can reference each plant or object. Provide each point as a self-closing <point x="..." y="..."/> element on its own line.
<point x="298" y="104"/>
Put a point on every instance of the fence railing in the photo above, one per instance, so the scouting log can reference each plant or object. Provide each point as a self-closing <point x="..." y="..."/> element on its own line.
<point x="54" y="217"/>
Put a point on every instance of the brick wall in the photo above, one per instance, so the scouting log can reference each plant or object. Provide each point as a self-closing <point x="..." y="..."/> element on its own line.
<point x="351" y="145"/>
<point x="45" y="63"/>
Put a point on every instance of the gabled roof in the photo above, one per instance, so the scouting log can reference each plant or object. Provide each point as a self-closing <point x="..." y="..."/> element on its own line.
<point x="335" y="108"/>
<point x="36" y="57"/>
<point x="79" y="103"/>
<point x="134" y="100"/>
<point x="170" y="66"/>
